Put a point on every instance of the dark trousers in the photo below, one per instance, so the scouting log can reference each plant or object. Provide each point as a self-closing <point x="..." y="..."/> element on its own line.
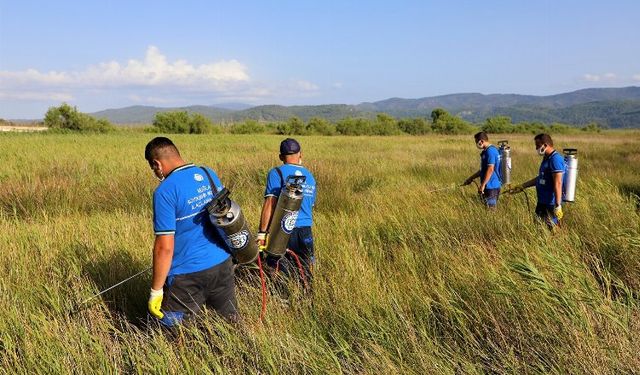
<point x="490" y="197"/>
<point x="547" y="214"/>
<point x="301" y="243"/>
<point x="186" y="294"/>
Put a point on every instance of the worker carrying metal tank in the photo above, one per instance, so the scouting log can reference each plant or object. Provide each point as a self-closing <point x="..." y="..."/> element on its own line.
<point x="489" y="172"/>
<point x="286" y="220"/>
<point x="191" y="265"/>
<point x="549" y="182"/>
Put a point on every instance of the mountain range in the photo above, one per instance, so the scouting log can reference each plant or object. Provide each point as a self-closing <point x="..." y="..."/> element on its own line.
<point x="610" y="107"/>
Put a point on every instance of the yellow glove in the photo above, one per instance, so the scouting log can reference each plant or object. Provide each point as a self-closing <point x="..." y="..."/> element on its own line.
<point x="261" y="239"/>
<point x="558" y="212"/>
<point x="516" y="189"/>
<point x="155" y="302"/>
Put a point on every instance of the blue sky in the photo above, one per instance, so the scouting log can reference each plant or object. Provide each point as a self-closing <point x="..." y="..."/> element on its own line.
<point x="107" y="54"/>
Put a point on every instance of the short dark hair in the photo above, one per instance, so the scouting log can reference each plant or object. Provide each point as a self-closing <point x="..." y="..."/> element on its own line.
<point x="544" y="138"/>
<point x="481" y="136"/>
<point x="160" y="147"/>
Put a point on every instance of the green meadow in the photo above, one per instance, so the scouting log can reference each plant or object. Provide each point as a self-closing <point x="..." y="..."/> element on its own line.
<point x="407" y="280"/>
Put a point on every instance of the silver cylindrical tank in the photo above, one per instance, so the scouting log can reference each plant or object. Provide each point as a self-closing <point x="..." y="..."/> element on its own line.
<point x="571" y="174"/>
<point x="285" y="215"/>
<point x="505" y="162"/>
<point x="227" y="217"/>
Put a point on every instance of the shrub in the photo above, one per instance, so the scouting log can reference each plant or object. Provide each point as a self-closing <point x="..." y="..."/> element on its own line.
<point x="66" y="117"/>
<point x="415" y="126"/>
<point x="351" y="126"/>
<point x="183" y="123"/>
<point x="593" y="127"/>
<point x="384" y="125"/>
<point x="445" y="123"/>
<point x="498" y="124"/>
<point x="320" y="126"/>
<point x="247" y="127"/>
<point x="294" y="126"/>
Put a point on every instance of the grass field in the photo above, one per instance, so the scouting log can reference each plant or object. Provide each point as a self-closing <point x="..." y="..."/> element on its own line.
<point x="407" y="281"/>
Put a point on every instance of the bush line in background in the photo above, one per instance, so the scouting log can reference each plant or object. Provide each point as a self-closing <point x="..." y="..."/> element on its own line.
<point x="67" y="118"/>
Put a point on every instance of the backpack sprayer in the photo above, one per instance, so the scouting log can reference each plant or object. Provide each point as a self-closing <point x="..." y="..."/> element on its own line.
<point x="285" y="215"/>
<point x="571" y="174"/>
<point x="229" y="221"/>
<point x="227" y="218"/>
<point x="505" y="165"/>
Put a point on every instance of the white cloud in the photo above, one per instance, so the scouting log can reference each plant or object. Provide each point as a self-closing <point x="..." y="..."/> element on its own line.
<point x="591" y="77"/>
<point x="149" y="99"/>
<point x="636" y="77"/>
<point x="155" y="79"/>
<point x="306" y="85"/>
<point x="154" y="70"/>
<point x="36" y="96"/>
<point x="606" y="77"/>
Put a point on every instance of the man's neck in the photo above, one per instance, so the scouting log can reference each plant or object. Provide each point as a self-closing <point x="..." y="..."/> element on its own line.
<point x="174" y="164"/>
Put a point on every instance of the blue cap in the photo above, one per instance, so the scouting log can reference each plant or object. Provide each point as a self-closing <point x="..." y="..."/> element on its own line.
<point x="289" y="146"/>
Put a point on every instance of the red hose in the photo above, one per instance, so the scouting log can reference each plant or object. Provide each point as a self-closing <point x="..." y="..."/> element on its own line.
<point x="263" y="284"/>
<point x="302" y="275"/>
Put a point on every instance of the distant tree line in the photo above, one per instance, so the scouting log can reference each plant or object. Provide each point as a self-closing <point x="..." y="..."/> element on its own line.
<point x="441" y="122"/>
<point x="67" y="118"/>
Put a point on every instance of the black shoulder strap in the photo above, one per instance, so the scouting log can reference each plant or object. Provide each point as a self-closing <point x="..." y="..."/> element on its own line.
<point x="214" y="188"/>
<point x="281" y="176"/>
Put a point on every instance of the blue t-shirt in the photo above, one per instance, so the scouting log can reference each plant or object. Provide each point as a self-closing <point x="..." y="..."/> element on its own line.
<point x="490" y="156"/>
<point x="275" y="185"/>
<point x="551" y="164"/>
<point x="179" y="209"/>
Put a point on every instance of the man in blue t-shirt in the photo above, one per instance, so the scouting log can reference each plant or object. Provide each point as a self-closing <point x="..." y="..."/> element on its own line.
<point x="489" y="172"/>
<point x="548" y="183"/>
<point x="301" y="240"/>
<point x="191" y="267"/>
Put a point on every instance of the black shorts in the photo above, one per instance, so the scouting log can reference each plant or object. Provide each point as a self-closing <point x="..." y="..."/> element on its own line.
<point x="184" y="295"/>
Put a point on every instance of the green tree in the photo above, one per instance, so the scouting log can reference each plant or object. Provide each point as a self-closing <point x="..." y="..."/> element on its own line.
<point x="385" y="125"/>
<point x="592" y="127"/>
<point x="445" y="123"/>
<point x="498" y="124"/>
<point x="172" y="122"/>
<point x="182" y="122"/>
<point x="69" y="118"/>
<point x="294" y="126"/>
<point x="351" y="126"/>
<point x="437" y="113"/>
<point x="247" y="127"/>
<point x="318" y="125"/>
<point x="415" y="126"/>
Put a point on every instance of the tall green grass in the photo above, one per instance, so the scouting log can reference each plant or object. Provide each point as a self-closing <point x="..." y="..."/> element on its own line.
<point x="407" y="281"/>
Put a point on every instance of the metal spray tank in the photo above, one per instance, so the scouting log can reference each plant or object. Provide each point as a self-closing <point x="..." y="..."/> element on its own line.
<point x="505" y="162"/>
<point x="228" y="219"/>
<point x="285" y="215"/>
<point x="571" y="174"/>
